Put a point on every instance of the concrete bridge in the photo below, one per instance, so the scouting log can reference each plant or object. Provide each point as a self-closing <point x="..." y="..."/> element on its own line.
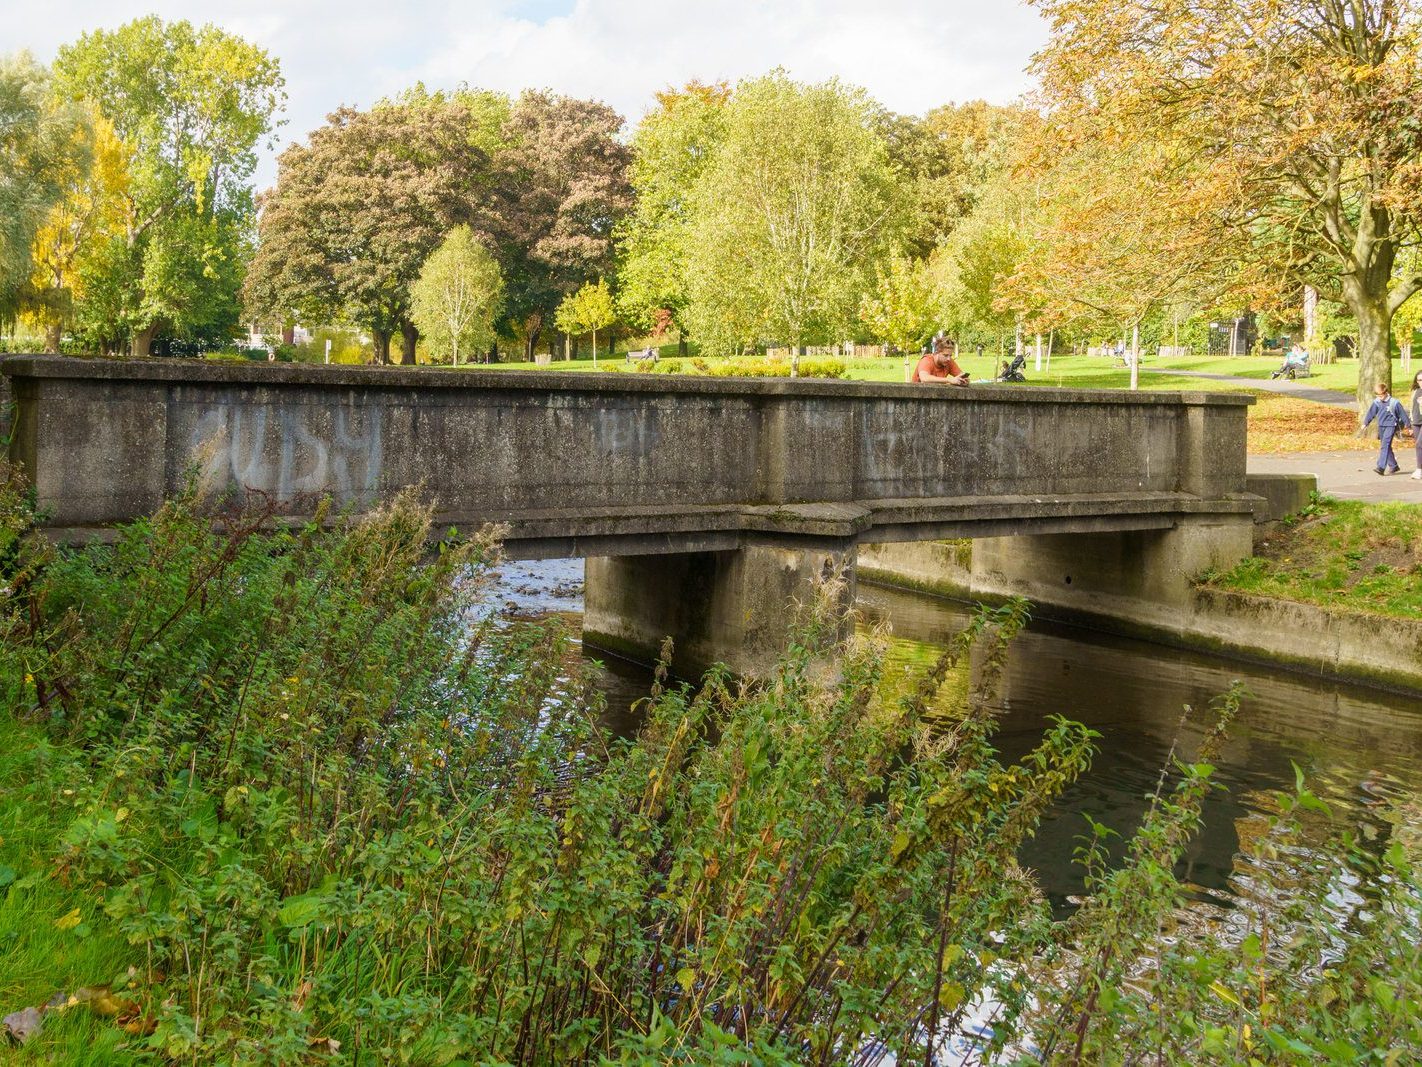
<point x="702" y="504"/>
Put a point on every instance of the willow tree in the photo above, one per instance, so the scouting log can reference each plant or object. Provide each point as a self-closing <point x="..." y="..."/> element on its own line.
<point x="670" y="149"/>
<point x="789" y="217"/>
<point x="1295" y="119"/>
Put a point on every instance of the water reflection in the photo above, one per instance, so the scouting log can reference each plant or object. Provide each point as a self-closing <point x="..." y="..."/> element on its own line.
<point x="1359" y="749"/>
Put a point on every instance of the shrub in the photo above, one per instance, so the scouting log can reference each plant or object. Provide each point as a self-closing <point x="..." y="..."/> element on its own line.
<point x="303" y="800"/>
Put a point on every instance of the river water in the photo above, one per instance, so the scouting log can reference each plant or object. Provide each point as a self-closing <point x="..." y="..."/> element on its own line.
<point x="1359" y="749"/>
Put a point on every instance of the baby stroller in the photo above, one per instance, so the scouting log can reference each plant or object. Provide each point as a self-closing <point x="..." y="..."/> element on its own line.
<point x="1012" y="372"/>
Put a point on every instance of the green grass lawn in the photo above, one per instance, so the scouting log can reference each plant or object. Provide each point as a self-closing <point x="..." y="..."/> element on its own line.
<point x="1073" y="371"/>
<point x="1341" y="554"/>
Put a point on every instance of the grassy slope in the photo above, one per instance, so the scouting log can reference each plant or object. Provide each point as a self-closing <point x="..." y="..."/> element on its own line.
<point x="1342" y="554"/>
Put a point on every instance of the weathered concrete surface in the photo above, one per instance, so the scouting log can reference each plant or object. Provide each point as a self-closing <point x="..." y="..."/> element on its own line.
<point x="1105" y="574"/>
<point x="1109" y="592"/>
<point x="717" y="606"/>
<point x="1280" y="494"/>
<point x="745" y="486"/>
<point x="582" y="464"/>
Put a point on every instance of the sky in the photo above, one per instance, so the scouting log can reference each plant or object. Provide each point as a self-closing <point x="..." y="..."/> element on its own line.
<point x="910" y="54"/>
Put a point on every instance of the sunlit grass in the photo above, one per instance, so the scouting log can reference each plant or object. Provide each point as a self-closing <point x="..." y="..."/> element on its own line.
<point x="1342" y="554"/>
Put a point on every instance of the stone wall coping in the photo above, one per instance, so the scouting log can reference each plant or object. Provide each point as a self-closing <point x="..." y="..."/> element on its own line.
<point x="180" y="371"/>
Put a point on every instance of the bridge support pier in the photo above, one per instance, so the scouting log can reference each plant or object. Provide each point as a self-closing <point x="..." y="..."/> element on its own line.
<point x="1112" y="574"/>
<point x="731" y="607"/>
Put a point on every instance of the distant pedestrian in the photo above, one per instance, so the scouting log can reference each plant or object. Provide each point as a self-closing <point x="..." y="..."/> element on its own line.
<point x="1391" y="418"/>
<point x="1417" y="423"/>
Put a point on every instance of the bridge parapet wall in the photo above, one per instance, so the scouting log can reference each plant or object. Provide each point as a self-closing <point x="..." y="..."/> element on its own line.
<point x="608" y="463"/>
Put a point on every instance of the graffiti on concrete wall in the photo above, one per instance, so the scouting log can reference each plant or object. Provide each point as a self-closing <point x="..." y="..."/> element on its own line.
<point x="290" y="450"/>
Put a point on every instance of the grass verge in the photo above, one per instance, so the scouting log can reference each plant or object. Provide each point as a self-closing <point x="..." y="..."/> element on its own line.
<point x="1344" y="555"/>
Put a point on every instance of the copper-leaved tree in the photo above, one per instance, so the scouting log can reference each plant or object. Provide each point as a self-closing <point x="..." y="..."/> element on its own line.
<point x="1293" y="121"/>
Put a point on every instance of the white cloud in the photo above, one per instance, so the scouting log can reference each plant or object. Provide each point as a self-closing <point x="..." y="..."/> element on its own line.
<point x="910" y="54"/>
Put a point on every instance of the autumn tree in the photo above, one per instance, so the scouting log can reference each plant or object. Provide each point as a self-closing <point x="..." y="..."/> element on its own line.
<point x="589" y="309"/>
<point x="357" y="211"/>
<point x="457" y="296"/>
<point x="947" y="159"/>
<point x="43" y="148"/>
<point x="1298" y="119"/>
<point x="189" y="106"/>
<point x="1117" y="238"/>
<point x="561" y="190"/>
<point x="670" y="149"/>
<point x="88" y="216"/>
<point x="796" y="205"/>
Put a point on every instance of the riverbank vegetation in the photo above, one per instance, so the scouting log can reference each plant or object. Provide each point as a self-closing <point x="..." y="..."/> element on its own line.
<point x="286" y="795"/>
<point x="1344" y="555"/>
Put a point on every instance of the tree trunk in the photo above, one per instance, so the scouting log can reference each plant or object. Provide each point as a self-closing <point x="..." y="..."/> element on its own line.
<point x="380" y="339"/>
<point x="681" y="349"/>
<point x="535" y="327"/>
<point x="53" y="331"/>
<point x="142" y="344"/>
<point x="1374" y="342"/>
<point x="1136" y="356"/>
<point x="409" y="334"/>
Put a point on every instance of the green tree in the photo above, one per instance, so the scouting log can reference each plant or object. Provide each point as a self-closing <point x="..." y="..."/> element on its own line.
<point x="795" y="207"/>
<point x="670" y="150"/>
<point x="457" y="296"/>
<point x="590" y="309"/>
<point x="42" y="150"/>
<point x="190" y="106"/>
<point x="902" y="310"/>
<point x="357" y="211"/>
<point x="972" y="270"/>
<point x="89" y="215"/>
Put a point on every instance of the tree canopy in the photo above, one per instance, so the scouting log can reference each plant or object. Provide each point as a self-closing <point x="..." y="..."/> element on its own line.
<point x="189" y="106"/>
<point x="1290" y="125"/>
<point x="792" y="212"/>
<point x="586" y="311"/>
<point x="358" y="210"/>
<point x="43" y="144"/>
<point x="457" y="296"/>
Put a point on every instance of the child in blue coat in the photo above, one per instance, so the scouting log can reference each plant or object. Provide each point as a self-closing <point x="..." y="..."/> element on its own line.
<point x="1392" y="418"/>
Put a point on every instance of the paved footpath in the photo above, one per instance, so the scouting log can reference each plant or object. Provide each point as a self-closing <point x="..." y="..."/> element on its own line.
<point x="1302" y="390"/>
<point x="1349" y="475"/>
<point x="1346" y="475"/>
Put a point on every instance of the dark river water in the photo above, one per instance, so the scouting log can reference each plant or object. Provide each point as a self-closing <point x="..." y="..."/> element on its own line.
<point x="1358" y="748"/>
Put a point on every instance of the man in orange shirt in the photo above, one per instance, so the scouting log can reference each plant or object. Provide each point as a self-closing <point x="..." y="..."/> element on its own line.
<point x="939" y="367"/>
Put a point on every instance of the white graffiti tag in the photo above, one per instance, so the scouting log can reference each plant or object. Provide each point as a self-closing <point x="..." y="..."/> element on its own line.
<point x="288" y="451"/>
